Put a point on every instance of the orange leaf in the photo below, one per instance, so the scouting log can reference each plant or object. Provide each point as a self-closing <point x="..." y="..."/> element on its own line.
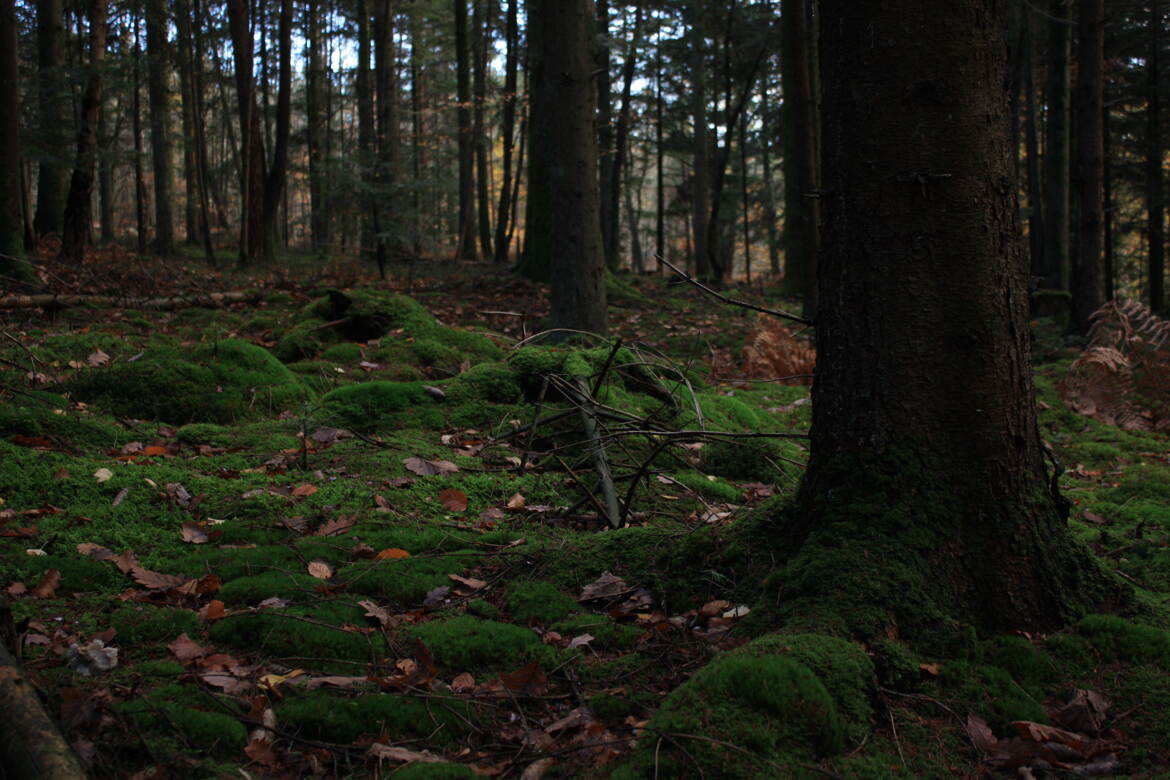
<point x="213" y="611"/>
<point x="47" y="587"/>
<point x="453" y="500"/>
<point x="392" y="553"/>
<point x="304" y="490"/>
<point x="154" y="449"/>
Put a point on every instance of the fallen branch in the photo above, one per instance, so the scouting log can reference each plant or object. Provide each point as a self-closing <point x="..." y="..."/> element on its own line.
<point x="198" y="300"/>
<point x="30" y="744"/>
<point x="743" y="304"/>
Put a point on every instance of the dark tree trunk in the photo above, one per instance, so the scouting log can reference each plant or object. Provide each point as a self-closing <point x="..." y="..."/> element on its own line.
<point x="465" y="241"/>
<point x="1032" y="145"/>
<point x="55" y="120"/>
<point x="1155" y="186"/>
<point x="801" y="207"/>
<point x="701" y="239"/>
<point x="190" y="175"/>
<point x="481" y="26"/>
<point x="316" y="128"/>
<point x="743" y="191"/>
<point x="274" y="181"/>
<point x="190" y="28"/>
<point x="564" y="141"/>
<point x="659" y="161"/>
<point x="507" y="131"/>
<point x="78" y="205"/>
<point x="926" y="505"/>
<point x="620" y="149"/>
<point x="366" y="132"/>
<point x="1057" y="150"/>
<point x="14" y="270"/>
<point x="607" y="165"/>
<point x="107" y="144"/>
<point x="1110" y="242"/>
<point x="769" y="189"/>
<point x="253" y="165"/>
<point x="140" y="194"/>
<point x="386" y="98"/>
<point x="158" y="64"/>
<point x="418" y="130"/>
<point x="1088" y="278"/>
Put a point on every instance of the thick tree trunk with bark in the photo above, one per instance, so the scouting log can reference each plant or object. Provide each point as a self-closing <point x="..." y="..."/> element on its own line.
<point x="75" y="232"/>
<point x="928" y="503"/>
<point x="801" y="207"/>
<point x="14" y="270"/>
<point x="564" y="143"/>
<point x="1088" y="273"/>
<point x="53" y="135"/>
<point x="700" y="188"/>
<point x="158" y="69"/>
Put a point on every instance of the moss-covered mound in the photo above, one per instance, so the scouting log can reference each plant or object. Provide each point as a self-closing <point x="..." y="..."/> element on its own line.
<point x="408" y="331"/>
<point x="372" y="405"/>
<point x="222" y="382"/>
<point x="779" y="700"/>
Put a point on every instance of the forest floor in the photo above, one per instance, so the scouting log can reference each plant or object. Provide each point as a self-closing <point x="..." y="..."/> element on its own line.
<point x="348" y="527"/>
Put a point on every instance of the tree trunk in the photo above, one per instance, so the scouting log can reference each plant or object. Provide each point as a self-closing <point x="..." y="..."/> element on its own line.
<point x="253" y="165"/>
<point x="190" y="175"/>
<point x="801" y="207"/>
<point x="316" y="129"/>
<point x="1032" y="145"/>
<point x="507" y="131"/>
<point x="564" y="141"/>
<point x="927" y="505"/>
<point x="366" y="132"/>
<point x="607" y="167"/>
<point x="158" y="62"/>
<point x="700" y="187"/>
<point x="1155" y="187"/>
<point x="769" y="189"/>
<point x="620" y="148"/>
<point x="78" y="205"/>
<point x="190" y="27"/>
<point x="55" y="120"/>
<point x="659" y="160"/>
<point x="140" y="194"/>
<point x="1054" y="272"/>
<point x="274" y="181"/>
<point x="418" y="131"/>
<point x="481" y="27"/>
<point x="14" y="269"/>
<point x="107" y="145"/>
<point x="386" y="99"/>
<point x="1088" y="281"/>
<point x="465" y="241"/>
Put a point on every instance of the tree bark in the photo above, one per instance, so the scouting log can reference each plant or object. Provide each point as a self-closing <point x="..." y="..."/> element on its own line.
<point x="274" y="181"/>
<point x="465" y="240"/>
<point x="30" y="743"/>
<point x="621" y="145"/>
<point x="190" y="28"/>
<point x="927" y="505"/>
<point x="1032" y="145"/>
<point x="481" y="27"/>
<point x="507" y="131"/>
<point x="1054" y="272"/>
<point x="366" y="132"/>
<point x="158" y="63"/>
<point x="140" y="194"/>
<point x="564" y="143"/>
<point x="316" y="128"/>
<point x="801" y="207"/>
<point x="252" y="158"/>
<point x="1088" y="282"/>
<point x="14" y="269"/>
<point x="55" y="120"/>
<point x="1155" y="152"/>
<point x="386" y="100"/>
<point x="701" y="165"/>
<point x="769" y="189"/>
<point x="75" y="232"/>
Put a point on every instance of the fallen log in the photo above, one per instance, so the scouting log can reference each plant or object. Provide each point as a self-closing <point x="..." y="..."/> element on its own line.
<point x="30" y="743"/>
<point x="66" y="301"/>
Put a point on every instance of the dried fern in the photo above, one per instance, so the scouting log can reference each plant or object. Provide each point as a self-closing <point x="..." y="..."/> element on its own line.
<point x="1123" y="376"/>
<point x="771" y="351"/>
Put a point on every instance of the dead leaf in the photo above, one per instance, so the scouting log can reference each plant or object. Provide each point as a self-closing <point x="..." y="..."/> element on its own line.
<point x="607" y="586"/>
<point x="429" y="468"/>
<point x="537" y="769"/>
<point x="320" y="569"/>
<point x="528" y="680"/>
<point x="932" y="669"/>
<point x="47" y="587"/>
<point x="436" y="597"/>
<point x="516" y="501"/>
<point x="16" y="589"/>
<point x="381" y="614"/>
<point x="981" y="736"/>
<point x="260" y="751"/>
<point x="229" y="683"/>
<point x="185" y="648"/>
<point x="193" y="534"/>
<point x="97" y="358"/>
<point x="453" y="500"/>
<point x="392" y="553"/>
<point x="336" y="525"/>
<point x="1084" y="712"/>
<point x="463" y="683"/>
<point x="580" y="641"/>
<point x="213" y="611"/>
<point x="575" y="719"/>
<point x="155" y="580"/>
<point x="103" y="475"/>
<point x="307" y="489"/>
<point x="469" y="582"/>
<point x="391" y="753"/>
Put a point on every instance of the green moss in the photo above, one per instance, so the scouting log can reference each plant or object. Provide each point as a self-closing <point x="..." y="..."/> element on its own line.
<point x="465" y="643"/>
<point x="165" y="669"/>
<point x="771" y="707"/>
<point x="993" y="693"/>
<point x="1022" y="660"/>
<point x="1117" y="638"/>
<point x="723" y="413"/>
<point x="896" y="665"/>
<point x="174" y="708"/>
<point x="345" y="352"/>
<point x="538" y="601"/>
<point x="205" y="433"/>
<point x="314" y="636"/>
<point x="429" y="352"/>
<point x="607" y="706"/>
<point x="607" y="635"/>
<point x="483" y="609"/>
<point x="708" y="486"/>
<point x="220" y="382"/>
<point x="139" y="624"/>
<point x="434" y="771"/>
<point x="405" y="581"/>
<point x="51" y="416"/>
<point x="326" y="716"/>
<point x="1071" y="651"/>
<point x="370" y="405"/>
<point x="759" y="460"/>
<point x="492" y="382"/>
<point x="253" y="589"/>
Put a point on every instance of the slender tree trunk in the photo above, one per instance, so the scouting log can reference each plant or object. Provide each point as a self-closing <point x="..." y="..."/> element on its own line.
<point x="253" y="174"/>
<point x="15" y="272"/>
<point x="1032" y="144"/>
<point x="418" y="130"/>
<point x="633" y="216"/>
<point x="621" y="144"/>
<point x="55" y="119"/>
<point x="140" y="194"/>
<point x="747" y="212"/>
<point x="386" y="98"/>
<point x="564" y="139"/>
<point x="274" y="181"/>
<point x="481" y="28"/>
<point x="107" y="144"/>
<point x="659" y="160"/>
<point x="607" y="163"/>
<point x="366" y="132"/>
<point x="769" y="189"/>
<point x="923" y="350"/>
<point x="190" y="175"/>
<point x="465" y="242"/>
<point x="190" y="28"/>
<point x="801" y="207"/>
<point x="158" y="65"/>
<point x="1155" y="186"/>
<point x="1088" y="283"/>
<point x="1110" y="243"/>
<point x="78" y="205"/>
<point x="700" y="187"/>
<point x="316" y="128"/>
<point x="508" y="130"/>
<point x="1057" y="146"/>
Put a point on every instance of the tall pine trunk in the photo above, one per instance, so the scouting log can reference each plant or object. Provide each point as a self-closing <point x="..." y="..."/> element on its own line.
<point x="15" y="272"/>
<point x="316" y="128"/>
<point x="801" y="206"/>
<point x="252" y="158"/>
<point x="1155" y="186"/>
<point x="158" y="68"/>
<point x="465" y="240"/>
<point x="508" y="131"/>
<point x="1054" y="270"/>
<point x="481" y="28"/>
<point x="55" y="120"/>
<point x="1088" y="277"/>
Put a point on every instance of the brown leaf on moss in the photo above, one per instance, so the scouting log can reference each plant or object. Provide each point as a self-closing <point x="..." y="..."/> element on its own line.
<point x="453" y="500"/>
<point x="47" y="587"/>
